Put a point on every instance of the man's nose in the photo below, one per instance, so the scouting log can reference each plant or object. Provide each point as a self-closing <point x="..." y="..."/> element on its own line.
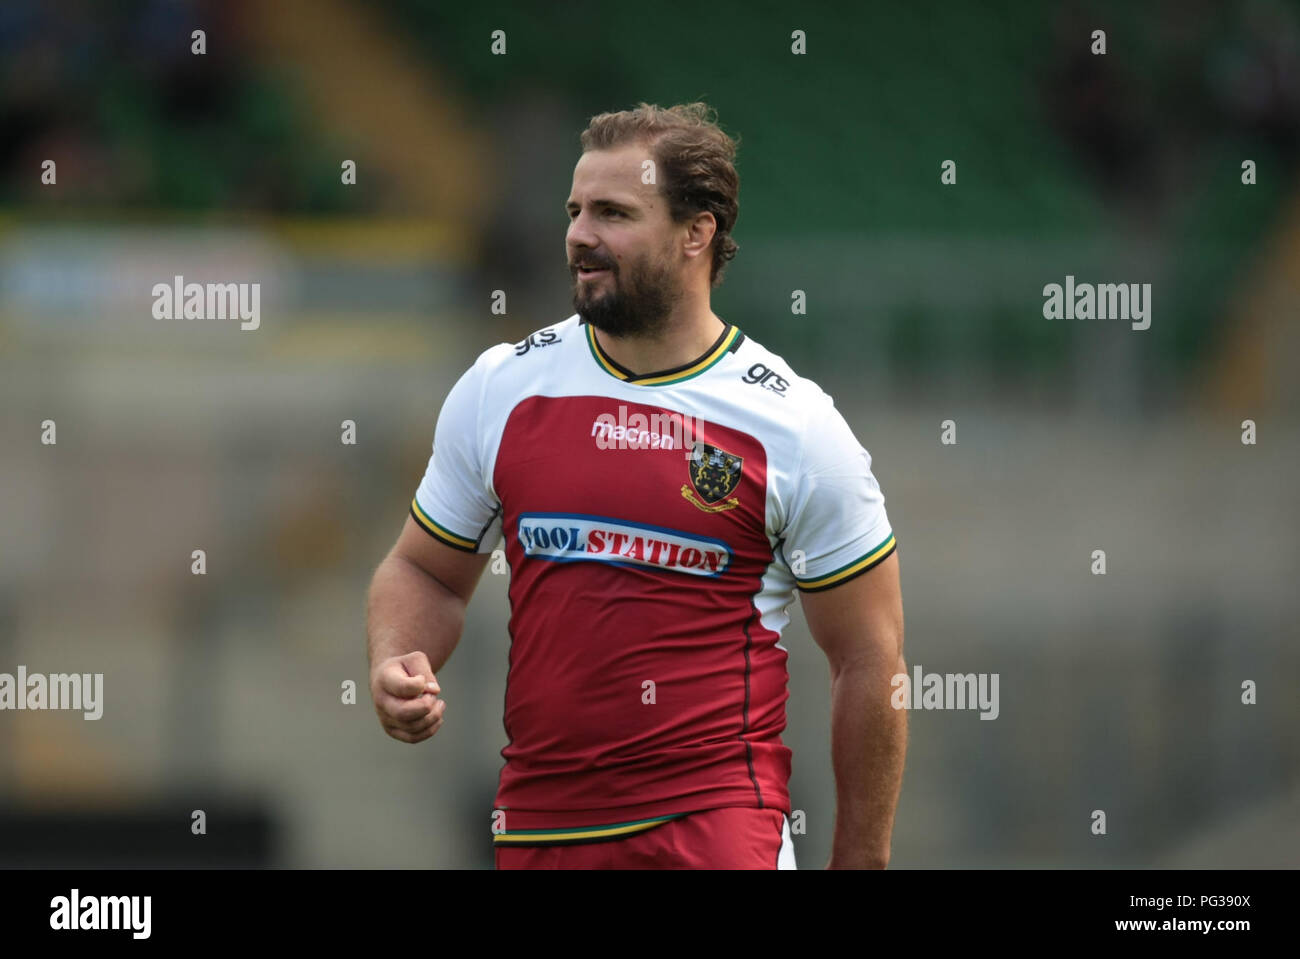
<point x="579" y="234"/>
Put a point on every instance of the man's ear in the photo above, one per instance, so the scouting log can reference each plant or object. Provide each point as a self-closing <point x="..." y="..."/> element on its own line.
<point x="700" y="233"/>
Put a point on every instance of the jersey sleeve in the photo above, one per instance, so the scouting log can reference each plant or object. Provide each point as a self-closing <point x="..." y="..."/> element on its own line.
<point x="454" y="502"/>
<point x="836" y="524"/>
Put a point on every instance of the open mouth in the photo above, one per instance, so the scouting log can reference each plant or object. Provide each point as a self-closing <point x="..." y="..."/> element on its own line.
<point x="589" y="272"/>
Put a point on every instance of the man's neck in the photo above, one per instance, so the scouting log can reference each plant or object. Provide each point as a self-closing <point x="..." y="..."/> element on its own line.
<point x="681" y="342"/>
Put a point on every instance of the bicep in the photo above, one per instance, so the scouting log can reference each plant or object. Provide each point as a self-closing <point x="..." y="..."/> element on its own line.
<point x="859" y="622"/>
<point x="456" y="569"/>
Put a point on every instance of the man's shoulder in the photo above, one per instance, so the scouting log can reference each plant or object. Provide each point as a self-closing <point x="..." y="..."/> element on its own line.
<point x="528" y="355"/>
<point x="800" y="419"/>
<point x="776" y="379"/>
<point x="536" y="342"/>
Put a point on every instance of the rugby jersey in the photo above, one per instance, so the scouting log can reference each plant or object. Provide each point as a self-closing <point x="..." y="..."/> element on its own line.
<point x="656" y="529"/>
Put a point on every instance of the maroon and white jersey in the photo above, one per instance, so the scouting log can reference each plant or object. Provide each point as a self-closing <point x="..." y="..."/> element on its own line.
<point x="656" y="528"/>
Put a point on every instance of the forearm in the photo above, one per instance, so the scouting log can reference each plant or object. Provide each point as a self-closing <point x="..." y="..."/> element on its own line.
<point x="868" y="747"/>
<point x="408" y="611"/>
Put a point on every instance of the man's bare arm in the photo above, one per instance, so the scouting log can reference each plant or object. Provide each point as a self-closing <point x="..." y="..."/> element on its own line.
<point x="414" y="617"/>
<point x="418" y="597"/>
<point x="859" y="625"/>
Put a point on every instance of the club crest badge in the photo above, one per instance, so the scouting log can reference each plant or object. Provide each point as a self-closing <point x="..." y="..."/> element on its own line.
<point x="714" y="475"/>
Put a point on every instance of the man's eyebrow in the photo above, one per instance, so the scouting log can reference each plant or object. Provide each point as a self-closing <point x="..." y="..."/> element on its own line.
<point x="601" y="202"/>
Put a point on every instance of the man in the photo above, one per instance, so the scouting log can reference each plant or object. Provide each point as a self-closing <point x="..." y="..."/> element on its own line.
<point x="663" y="484"/>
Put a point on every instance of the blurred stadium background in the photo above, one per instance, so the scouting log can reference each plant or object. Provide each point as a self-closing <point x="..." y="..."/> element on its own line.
<point x="1119" y="692"/>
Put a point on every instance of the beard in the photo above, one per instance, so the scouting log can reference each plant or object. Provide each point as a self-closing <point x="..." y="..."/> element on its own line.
<point x="636" y="305"/>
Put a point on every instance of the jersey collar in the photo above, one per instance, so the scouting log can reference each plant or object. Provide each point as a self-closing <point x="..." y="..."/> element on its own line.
<point x="726" y="342"/>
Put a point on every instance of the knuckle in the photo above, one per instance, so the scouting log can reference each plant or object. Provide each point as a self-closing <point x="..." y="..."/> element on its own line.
<point x="413" y="712"/>
<point x="421" y="724"/>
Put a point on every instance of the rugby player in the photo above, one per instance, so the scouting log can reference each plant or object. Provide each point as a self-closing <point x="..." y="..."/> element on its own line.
<point x="664" y="486"/>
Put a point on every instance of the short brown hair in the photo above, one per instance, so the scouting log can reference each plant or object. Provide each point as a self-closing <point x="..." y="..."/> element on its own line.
<point x="695" y="159"/>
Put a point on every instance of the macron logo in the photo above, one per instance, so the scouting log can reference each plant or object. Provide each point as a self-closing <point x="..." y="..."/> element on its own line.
<point x="74" y="912"/>
<point x="637" y="431"/>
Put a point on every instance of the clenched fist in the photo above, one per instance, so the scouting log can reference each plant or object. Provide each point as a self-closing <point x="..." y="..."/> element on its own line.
<point x="405" y="692"/>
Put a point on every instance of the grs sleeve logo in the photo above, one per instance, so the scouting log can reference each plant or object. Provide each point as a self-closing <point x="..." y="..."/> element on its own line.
<point x="760" y="375"/>
<point x="544" y="338"/>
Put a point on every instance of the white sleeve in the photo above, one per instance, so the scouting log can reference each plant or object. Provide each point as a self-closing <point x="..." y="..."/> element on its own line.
<point x="454" y="502"/>
<point x="836" y="527"/>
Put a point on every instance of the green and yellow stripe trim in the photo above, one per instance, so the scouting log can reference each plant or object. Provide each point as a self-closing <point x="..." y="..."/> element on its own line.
<point x="576" y="834"/>
<point x="440" y="532"/>
<point x="726" y="341"/>
<point x="854" y="568"/>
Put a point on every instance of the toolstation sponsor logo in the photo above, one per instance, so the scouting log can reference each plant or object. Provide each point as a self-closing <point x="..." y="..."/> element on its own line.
<point x="575" y="538"/>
